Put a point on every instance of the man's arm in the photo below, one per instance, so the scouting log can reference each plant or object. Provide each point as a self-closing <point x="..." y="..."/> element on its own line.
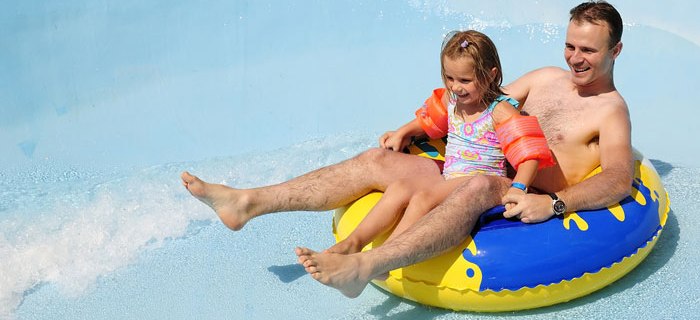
<point x="617" y="164"/>
<point x="520" y="88"/>
<point x="609" y="186"/>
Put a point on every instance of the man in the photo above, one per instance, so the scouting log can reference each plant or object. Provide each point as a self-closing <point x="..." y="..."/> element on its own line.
<point x="586" y="123"/>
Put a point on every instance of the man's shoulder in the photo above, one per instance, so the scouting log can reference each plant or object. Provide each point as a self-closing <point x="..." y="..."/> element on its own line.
<point x="609" y="107"/>
<point x="612" y="99"/>
<point x="549" y="72"/>
<point x="615" y="103"/>
<point x="544" y="77"/>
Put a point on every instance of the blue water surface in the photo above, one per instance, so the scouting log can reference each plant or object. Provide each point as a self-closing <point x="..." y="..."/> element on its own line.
<point x="103" y="103"/>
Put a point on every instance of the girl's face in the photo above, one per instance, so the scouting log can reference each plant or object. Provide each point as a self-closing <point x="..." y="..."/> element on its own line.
<point x="460" y="78"/>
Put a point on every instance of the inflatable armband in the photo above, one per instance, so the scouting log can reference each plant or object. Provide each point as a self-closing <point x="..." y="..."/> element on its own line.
<point x="433" y="115"/>
<point x="522" y="139"/>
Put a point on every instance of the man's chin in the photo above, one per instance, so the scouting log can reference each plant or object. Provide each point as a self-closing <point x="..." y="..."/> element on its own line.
<point x="581" y="78"/>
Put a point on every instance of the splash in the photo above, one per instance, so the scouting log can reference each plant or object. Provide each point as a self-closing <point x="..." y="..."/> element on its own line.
<point x="81" y="233"/>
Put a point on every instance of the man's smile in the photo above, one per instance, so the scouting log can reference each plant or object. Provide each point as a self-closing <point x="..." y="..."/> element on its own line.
<point x="579" y="70"/>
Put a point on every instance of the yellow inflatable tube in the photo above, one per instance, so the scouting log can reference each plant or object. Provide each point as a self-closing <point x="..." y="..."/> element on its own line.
<point x="508" y="265"/>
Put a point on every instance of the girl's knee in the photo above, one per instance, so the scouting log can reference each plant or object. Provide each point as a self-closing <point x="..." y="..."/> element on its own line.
<point x="481" y="186"/>
<point x="483" y="183"/>
<point x="402" y="187"/>
<point x="422" y="201"/>
<point x="422" y="196"/>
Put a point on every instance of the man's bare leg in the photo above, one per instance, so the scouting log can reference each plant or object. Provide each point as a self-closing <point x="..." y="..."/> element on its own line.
<point x="441" y="229"/>
<point x="323" y="189"/>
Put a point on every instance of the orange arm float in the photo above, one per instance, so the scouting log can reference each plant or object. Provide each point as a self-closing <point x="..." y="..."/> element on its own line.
<point x="432" y="116"/>
<point x="522" y="139"/>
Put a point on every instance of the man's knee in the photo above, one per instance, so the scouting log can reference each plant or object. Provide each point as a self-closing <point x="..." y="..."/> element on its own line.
<point x="374" y="157"/>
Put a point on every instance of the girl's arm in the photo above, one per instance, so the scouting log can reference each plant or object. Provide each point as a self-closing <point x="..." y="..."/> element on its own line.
<point x="401" y="138"/>
<point x="526" y="170"/>
<point x="525" y="175"/>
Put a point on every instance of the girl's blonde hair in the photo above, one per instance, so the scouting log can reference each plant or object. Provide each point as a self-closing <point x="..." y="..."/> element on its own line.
<point x="479" y="47"/>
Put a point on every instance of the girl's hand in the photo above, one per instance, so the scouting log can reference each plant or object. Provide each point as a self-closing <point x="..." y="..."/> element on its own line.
<point x="393" y="140"/>
<point x="509" y="199"/>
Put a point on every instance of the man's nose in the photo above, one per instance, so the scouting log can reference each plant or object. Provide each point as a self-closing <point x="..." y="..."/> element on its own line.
<point x="576" y="57"/>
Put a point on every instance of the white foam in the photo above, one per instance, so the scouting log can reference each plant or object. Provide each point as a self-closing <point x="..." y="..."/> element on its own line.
<point x="84" y="235"/>
<point x="84" y="232"/>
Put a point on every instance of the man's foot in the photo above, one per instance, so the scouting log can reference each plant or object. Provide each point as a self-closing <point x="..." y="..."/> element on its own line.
<point x="343" y="272"/>
<point x="232" y="205"/>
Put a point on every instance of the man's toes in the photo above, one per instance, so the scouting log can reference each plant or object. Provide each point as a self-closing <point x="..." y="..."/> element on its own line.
<point x="311" y="270"/>
<point x="309" y="263"/>
<point x="304" y="251"/>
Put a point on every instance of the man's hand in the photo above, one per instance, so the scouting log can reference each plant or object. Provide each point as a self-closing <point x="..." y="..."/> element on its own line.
<point x="530" y="208"/>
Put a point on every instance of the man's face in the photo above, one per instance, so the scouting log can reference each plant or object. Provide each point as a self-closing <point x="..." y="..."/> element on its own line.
<point x="588" y="54"/>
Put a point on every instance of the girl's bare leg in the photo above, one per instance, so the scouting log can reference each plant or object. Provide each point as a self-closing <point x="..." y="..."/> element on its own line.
<point x="380" y="218"/>
<point x="423" y="201"/>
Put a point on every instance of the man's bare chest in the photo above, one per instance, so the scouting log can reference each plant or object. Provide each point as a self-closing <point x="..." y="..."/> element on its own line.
<point x="563" y="120"/>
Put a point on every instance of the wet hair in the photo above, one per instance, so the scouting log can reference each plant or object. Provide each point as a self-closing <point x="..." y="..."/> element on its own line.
<point x="596" y="11"/>
<point x="477" y="46"/>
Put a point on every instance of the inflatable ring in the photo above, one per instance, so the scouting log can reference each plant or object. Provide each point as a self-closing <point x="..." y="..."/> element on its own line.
<point x="507" y="265"/>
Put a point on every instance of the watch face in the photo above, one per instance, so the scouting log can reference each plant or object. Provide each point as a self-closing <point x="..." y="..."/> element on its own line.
<point x="559" y="207"/>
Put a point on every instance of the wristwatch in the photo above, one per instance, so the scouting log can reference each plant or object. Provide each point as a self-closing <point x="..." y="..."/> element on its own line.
<point x="558" y="206"/>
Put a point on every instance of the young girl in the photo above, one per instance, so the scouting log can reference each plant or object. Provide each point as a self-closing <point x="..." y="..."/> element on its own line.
<point x="475" y="106"/>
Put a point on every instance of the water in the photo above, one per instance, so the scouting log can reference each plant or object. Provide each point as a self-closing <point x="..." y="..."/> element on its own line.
<point x="104" y="103"/>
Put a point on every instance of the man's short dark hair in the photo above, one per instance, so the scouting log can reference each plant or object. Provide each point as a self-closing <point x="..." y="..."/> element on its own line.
<point x="597" y="11"/>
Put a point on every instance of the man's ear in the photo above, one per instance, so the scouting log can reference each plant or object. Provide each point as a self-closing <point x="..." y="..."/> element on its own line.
<point x="617" y="49"/>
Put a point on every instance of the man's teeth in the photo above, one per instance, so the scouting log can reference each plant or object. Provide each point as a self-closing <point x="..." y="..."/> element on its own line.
<point x="581" y="70"/>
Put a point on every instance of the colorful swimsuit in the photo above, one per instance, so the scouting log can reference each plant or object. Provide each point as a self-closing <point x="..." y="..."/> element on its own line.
<point x="472" y="148"/>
